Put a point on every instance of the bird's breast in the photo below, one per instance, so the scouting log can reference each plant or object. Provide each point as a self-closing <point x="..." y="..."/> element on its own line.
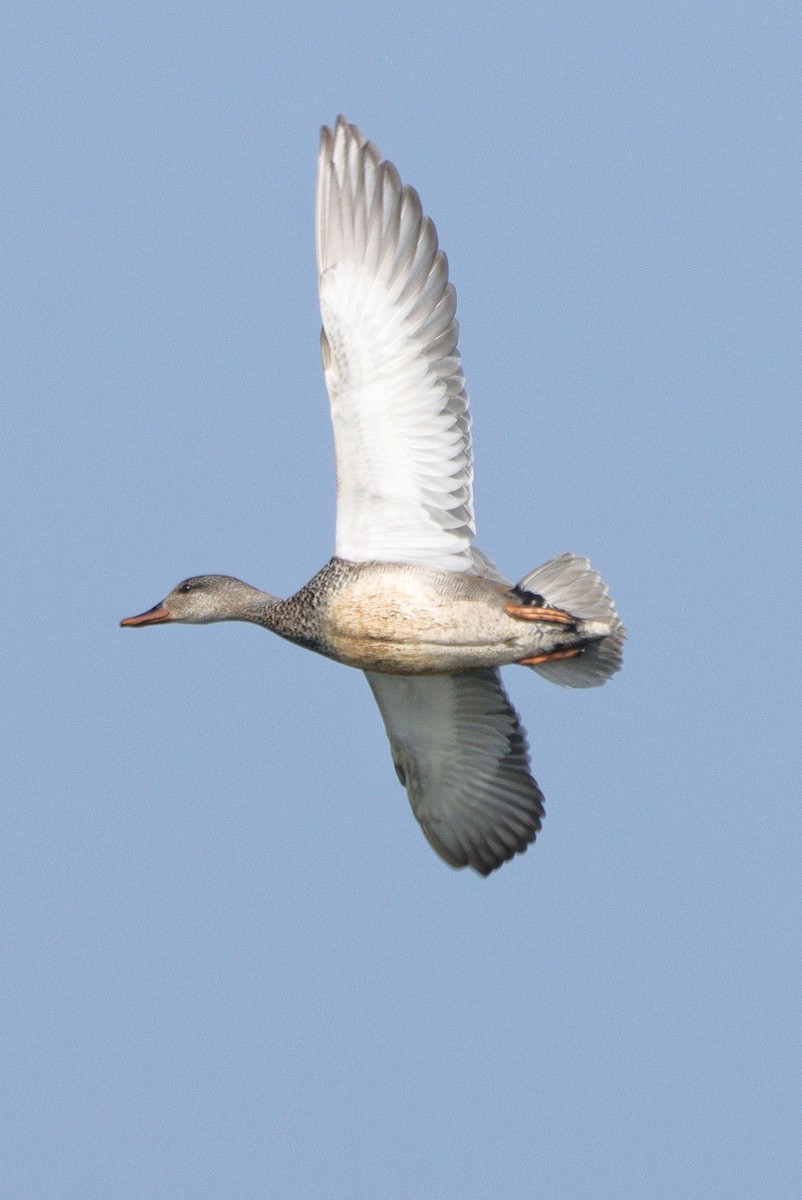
<point x="405" y="624"/>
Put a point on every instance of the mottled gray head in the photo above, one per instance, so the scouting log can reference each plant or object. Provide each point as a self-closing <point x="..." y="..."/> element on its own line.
<point x="200" y="600"/>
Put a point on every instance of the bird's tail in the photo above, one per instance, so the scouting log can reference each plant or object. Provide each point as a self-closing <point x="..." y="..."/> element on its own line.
<point x="570" y="583"/>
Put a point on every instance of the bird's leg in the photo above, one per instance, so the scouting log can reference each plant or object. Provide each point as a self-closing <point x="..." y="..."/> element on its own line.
<point x="539" y="612"/>
<point x="534" y="607"/>
<point x="551" y="656"/>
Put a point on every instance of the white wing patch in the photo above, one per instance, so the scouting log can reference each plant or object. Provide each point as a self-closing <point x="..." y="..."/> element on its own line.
<point x="398" y="401"/>
<point x="460" y="751"/>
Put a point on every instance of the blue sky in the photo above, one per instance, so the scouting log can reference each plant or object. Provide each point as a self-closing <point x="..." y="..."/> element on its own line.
<point x="231" y="964"/>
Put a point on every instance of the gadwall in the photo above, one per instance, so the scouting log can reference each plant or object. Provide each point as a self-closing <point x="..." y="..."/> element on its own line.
<point x="408" y="597"/>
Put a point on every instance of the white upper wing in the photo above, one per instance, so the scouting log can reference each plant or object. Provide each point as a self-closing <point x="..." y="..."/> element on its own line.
<point x="461" y="753"/>
<point x="389" y="341"/>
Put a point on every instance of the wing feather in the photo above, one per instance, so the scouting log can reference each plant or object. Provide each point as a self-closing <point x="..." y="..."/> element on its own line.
<point x="460" y="751"/>
<point x="393" y="372"/>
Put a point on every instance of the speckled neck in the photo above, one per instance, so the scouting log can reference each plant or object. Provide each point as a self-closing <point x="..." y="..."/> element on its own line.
<point x="301" y="618"/>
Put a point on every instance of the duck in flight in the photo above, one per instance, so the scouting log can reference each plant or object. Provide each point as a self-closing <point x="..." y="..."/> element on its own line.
<point x="408" y="597"/>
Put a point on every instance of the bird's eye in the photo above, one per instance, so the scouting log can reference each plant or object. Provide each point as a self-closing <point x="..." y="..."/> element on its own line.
<point x="185" y="587"/>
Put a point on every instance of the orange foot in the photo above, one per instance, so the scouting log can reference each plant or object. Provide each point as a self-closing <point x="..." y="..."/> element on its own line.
<point x="526" y="612"/>
<point x="552" y="656"/>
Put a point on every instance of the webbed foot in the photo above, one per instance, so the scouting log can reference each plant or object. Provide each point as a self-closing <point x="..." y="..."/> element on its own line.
<point x="530" y="612"/>
<point x="551" y="656"/>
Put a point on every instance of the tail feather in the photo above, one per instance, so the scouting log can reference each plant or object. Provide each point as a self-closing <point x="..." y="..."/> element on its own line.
<point x="570" y="583"/>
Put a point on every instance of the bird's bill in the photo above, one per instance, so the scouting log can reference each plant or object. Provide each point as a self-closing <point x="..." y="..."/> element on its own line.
<point x="154" y="616"/>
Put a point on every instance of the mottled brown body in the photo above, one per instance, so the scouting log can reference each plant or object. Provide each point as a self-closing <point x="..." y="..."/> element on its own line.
<point x="392" y="617"/>
<point x="410" y="620"/>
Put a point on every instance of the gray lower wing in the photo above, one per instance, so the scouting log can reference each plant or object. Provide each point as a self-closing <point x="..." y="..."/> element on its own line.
<point x="460" y="751"/>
